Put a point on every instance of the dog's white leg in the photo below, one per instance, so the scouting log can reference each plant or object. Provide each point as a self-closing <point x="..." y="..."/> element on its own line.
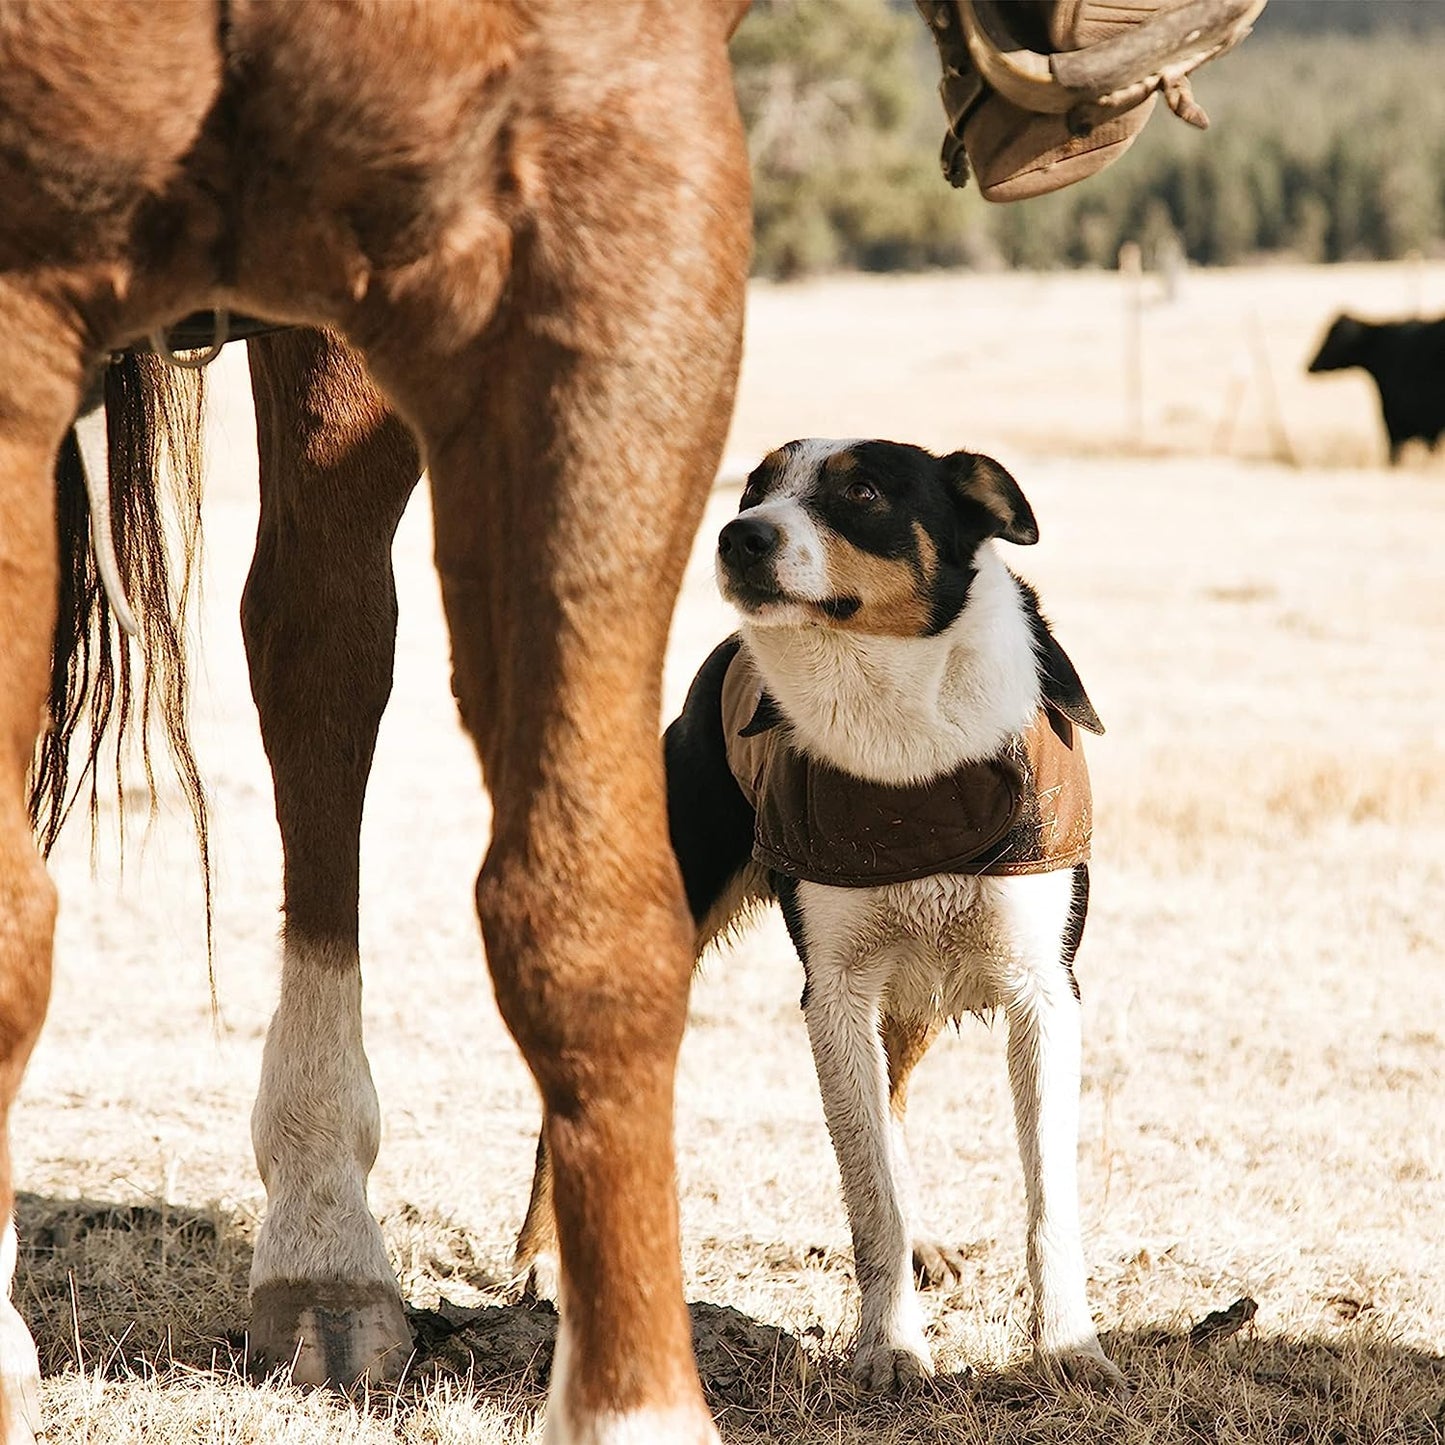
<point x="19" y="1367"/>
<point x="842" y="1012"/>
<point x="1043" y="1058"/>
<point x="324" y="1298"/>
<point x="843" y="1028"/>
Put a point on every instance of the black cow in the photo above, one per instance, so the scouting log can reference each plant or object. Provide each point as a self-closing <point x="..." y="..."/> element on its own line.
<point x="1406" y="360"/>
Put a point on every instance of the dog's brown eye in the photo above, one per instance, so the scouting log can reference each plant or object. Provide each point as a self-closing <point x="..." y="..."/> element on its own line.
<point x="861" y="492"/>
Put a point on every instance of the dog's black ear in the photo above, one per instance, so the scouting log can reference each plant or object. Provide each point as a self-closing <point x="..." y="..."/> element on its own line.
<point x="984" y="482"/>
<point x="1060" y="682"/>
<point x="1058" y="679"/>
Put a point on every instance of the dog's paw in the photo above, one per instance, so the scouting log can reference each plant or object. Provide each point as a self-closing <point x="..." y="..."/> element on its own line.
<point x="883" y="1368"/>
<point x="1084" y="1367"/>
<point x="937" y="1266"/>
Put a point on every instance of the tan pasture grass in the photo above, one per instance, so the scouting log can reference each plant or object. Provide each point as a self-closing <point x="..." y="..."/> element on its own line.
<point x="1352" y="1380"/>
<point x="1263" y="979"/>
<point x="1344" y="1384"/>
<point x="1177" y="813"/>
<point x="1041" y="361"/>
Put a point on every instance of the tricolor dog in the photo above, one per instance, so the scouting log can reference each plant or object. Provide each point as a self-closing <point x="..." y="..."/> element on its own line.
<point x="890" y="748"/>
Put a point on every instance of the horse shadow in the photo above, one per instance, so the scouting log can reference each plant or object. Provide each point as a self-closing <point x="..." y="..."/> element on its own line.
<point x="140" y="1289"/>
<point x="137" y="1289"/>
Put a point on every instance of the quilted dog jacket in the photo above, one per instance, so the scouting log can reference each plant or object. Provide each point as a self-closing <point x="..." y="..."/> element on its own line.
<point x="1027" y="809"/>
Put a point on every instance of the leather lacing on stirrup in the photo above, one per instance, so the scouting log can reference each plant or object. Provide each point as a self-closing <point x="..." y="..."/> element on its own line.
<point x="1041" y="93"/>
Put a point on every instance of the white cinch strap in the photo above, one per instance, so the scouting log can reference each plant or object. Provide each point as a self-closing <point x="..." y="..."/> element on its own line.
<point x="94" y="463"/>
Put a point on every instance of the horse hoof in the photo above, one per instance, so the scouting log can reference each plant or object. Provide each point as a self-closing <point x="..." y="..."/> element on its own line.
<point x="330" y="1333"/>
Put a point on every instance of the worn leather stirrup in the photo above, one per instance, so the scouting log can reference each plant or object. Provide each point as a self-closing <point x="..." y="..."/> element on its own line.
<point x="1041" y="93"/>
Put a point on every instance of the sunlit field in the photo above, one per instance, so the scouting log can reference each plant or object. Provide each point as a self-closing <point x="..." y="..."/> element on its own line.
<point x="1257" y="607"/>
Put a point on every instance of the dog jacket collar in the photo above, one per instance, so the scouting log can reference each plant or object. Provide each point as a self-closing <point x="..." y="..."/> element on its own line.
<point x="1025" y="810"/>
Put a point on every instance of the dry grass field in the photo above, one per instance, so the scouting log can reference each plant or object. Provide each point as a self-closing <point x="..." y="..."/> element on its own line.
<point x="1263" y="975"/>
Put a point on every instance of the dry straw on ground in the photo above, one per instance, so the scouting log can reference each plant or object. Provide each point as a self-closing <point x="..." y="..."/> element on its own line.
<point x="1264" y="977"/>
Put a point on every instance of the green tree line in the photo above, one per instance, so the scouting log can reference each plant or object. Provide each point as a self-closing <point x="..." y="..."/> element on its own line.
<point x="1325" y="145"/>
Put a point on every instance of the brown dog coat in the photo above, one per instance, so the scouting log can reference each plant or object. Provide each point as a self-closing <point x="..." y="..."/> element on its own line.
<point x="1027" y="809"/>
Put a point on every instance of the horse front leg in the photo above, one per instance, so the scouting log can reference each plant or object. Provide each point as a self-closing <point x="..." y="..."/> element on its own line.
<point x="319" y="617"/>
<point x="568" y="355"/>
<point x="567" y="480"/>
<point x="583" y="919"/>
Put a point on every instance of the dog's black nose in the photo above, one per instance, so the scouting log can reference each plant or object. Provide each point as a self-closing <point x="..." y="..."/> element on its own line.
<point x="746" y="540"/>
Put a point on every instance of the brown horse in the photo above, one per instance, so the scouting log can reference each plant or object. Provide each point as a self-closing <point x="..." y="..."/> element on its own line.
<point x="530" y="217"/>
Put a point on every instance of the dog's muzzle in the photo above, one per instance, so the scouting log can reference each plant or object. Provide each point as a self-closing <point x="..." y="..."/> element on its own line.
<point x="748" y="550"/>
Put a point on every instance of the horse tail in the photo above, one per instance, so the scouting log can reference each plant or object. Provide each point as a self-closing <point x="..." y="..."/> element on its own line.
<point x="105" y="687"/>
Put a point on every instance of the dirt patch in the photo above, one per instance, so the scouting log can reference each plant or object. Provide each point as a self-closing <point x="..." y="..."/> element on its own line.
<point x="509" y="1347"/>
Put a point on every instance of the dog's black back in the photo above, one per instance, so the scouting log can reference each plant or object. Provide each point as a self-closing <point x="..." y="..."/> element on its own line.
<point x="710" y="820"/>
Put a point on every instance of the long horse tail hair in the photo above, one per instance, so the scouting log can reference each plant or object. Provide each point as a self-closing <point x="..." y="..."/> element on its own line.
<point x="104" y="686"/>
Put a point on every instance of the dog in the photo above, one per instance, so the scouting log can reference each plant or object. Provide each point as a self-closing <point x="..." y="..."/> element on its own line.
<point x="889" y="747"/>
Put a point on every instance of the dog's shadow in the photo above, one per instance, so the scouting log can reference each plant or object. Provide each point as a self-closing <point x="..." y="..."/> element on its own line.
<point x="124" y="1289"/>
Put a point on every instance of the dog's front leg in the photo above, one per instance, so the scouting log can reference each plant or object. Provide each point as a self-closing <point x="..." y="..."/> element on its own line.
<point x="842" y="1011"/>
<point x="1043" y="1060"/>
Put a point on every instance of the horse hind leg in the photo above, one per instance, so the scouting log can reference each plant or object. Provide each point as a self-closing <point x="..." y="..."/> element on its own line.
<point x="534" y="1258"/>
<point x="38" y="397"/>
<point x="319" y="617"/>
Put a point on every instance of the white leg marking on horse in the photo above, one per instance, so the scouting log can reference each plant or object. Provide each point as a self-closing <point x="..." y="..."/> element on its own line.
<point x="19" y="1367"/>
<point x="316" y="1128"/>
<point x="650" y="1425"/>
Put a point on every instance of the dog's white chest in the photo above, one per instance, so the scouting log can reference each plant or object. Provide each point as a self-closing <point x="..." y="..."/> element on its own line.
<point x="946" y="913"/>
<point x="942" y="942"/>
